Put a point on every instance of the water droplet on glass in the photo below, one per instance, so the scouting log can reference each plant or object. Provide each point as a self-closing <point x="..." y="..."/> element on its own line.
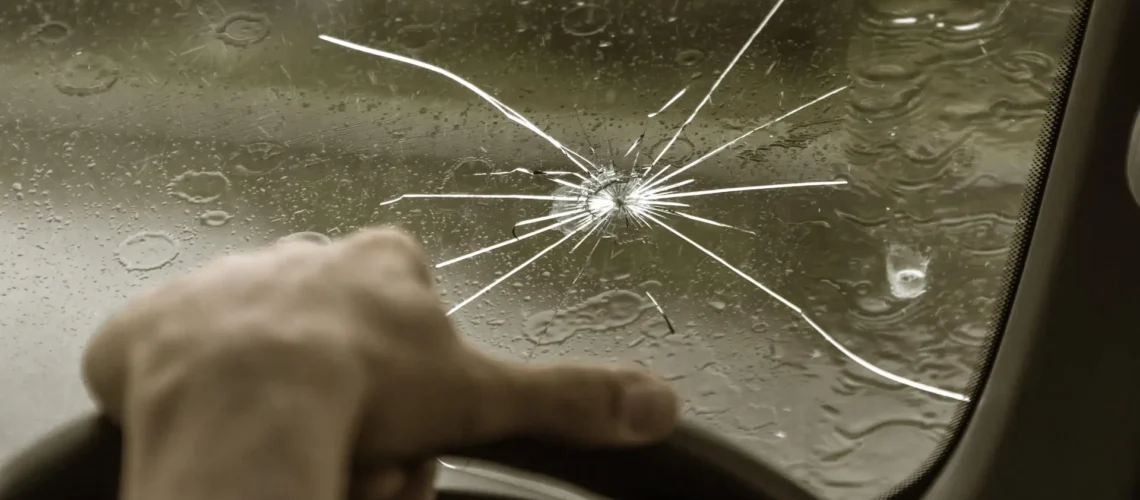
<point x="87" y="74"/>
<point x="50" y="32"/>
<point x="147" y="251"/>
<point x="1026" y="66"/>
<point x="214" y="218"/>
<point x="417" y="37"/>
<point x="309" y="236"/>
<point x="690" y="57"/>
<point x="753" y="417"/>
<point x="586" y="20"/>
<point x="198" y="187"/>
<point x="675" y="358"/>
<point x="241" y="29"/>
<point x="906" y="271"/>
<point x="682" y="148"/>
<point x="888" y="71"/>
<point x="874" y="305"/>
<point x="256" y="159"/>
<point x="605" y="311"/>
<point x="708" y="392"/>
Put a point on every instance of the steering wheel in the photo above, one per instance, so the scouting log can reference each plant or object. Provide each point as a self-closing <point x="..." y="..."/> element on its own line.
<point x="81" y="461"/>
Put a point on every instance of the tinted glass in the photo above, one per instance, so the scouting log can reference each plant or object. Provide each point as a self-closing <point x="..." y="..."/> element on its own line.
<point x="812" y="259"/>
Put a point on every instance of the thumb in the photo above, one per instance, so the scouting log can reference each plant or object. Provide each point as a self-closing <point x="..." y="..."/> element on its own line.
<point x="593" y="406"/>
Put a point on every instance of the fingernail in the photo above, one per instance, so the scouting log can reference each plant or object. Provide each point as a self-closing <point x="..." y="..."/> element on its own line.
<point x="649" y="409"/>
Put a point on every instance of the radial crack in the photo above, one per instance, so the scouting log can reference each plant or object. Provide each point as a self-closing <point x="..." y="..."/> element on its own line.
<point x="570" y="185"/>
<point x="669" y="103"/>
<point x="581" y="272"/>
<point x="598" y="223"/>
<point x="862" y="362"/>
<point x="719" y="79"/>
<point x="483" y="197"/>
<point x="512" y="272"/>
<point x="879" y="371"/>
<point x="528" y="171"/>
<point x="504" y="243"/>
<point x="690" y="194"/>
<point x="724" y="263"/>
<point x="746" y="134"/>
<point x="503" y="108"/>
<point x="655" y="192"/>
<point x="663" y="203"/>
<point x="649" y="182"/>
<point x="551" y="216"/>
<point x="712" y="222"/>
<point x="662" y="311"/>
<point x="634" y="146"/>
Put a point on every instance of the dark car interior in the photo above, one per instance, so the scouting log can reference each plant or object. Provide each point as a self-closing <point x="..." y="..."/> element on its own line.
<point x="1051" y="402"/>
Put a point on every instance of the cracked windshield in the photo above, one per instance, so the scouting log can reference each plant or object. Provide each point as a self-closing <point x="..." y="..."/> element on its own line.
<point x="797" y="211"/>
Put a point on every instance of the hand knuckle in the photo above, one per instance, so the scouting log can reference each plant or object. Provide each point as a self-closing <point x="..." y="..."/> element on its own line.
<point x="384" y="238"/>
<point x="244" y="353"/>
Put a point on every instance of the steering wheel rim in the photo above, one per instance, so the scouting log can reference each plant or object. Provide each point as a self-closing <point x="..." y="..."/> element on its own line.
<point x="81" y="461"/>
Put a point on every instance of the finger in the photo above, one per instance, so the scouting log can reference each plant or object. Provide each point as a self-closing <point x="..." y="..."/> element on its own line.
<point x="307" y="237"/>
<point x="104" y="367"/>
<point x="585" y="405"/>
<point x="104" y="363"/>
<point x="593" y="405"/>
<point x="393" y="283"/>
<point x="392" y="246"/>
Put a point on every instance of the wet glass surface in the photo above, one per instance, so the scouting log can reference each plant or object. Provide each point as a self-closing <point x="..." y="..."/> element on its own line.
<point x="139" y="138"/>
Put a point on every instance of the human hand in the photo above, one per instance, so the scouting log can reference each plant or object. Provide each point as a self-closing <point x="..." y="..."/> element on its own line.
<point x="315" y="372"/>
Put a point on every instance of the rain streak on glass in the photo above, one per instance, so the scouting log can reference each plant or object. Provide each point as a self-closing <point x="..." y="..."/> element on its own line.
<point x="798" y="212"/>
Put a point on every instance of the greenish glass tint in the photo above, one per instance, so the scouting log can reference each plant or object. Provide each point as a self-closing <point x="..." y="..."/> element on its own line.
<point x="139" y="138"/>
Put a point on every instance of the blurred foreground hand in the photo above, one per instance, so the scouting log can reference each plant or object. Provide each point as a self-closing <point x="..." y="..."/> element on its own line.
<point x="324" y="372"/>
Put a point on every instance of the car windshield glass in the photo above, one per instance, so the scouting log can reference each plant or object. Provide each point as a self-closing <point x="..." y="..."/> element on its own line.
<point x="798" y="211"/>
